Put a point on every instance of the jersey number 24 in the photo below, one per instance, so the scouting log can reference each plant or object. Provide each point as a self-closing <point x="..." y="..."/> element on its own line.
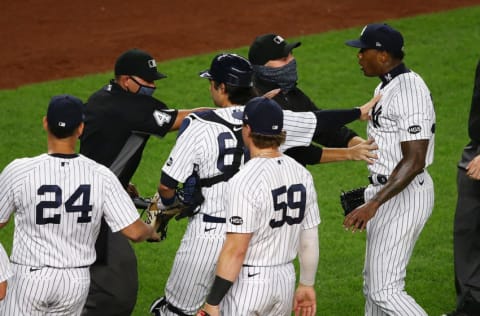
<point x="82" y="193"/>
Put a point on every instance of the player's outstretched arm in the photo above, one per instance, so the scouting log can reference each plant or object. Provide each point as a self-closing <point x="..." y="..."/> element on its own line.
<point x="365" y="109"/>
<point x="139" y="231"/>
<point x="361" y="151"/>
<point x="182" y="114"/>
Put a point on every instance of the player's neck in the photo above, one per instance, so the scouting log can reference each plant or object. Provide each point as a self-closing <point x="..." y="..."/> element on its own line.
<point x="264" y="153"/>
<point x="61" y="146"/>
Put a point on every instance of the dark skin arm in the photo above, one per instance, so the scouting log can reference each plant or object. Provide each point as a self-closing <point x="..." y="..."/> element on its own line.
<point x="408" y="168"/>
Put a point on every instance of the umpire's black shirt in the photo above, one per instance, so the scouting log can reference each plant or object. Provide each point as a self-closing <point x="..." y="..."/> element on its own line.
<point x="117" y="126"/>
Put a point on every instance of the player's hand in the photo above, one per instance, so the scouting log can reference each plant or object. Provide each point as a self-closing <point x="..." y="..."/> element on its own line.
<point x="365" y="109"/>
<point x="304" y="301"/>
<point x="272" y="93"/>
<point x="364" y="151"/>
<point x="359" y="217"/>
<point x="209" y="310"/>
<point x="132" y="190"/>
<point x="473" y="168"/>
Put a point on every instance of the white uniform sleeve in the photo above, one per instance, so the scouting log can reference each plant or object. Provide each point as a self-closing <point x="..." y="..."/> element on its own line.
<point x="308" y="253"/>
<point x="415" y="111"/>
<point x="180" y="162"/>
<point x="312" y="217"/>
<point x="5" y="267"/>
<point x="7" y="201"/>
<point x="300" y="127"/>
<point x="118" y="207"/>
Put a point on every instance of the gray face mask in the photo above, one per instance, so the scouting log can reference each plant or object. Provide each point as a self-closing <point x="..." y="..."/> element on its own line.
<point x="285" y="77"/>
<point x="146" y="90"/>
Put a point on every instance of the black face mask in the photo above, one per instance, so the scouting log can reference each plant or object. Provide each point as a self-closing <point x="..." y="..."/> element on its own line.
<point x="146" y="90"/>
<point x="285" y="77"/>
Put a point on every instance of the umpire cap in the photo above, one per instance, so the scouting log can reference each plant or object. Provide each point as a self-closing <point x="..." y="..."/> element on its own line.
<point x="231" y="69"/>
<point x="135" y="62"/>
<point x="269" y="47"/>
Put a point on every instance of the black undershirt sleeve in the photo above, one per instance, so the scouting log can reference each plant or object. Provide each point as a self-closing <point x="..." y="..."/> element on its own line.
<point x="333" y="119"/>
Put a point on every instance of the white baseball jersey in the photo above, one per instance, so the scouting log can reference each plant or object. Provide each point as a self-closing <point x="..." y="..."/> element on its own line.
<point x="58" y="202"/>
<point x="404" y="113"/>
<point x="273" y="198"/>
<point x="211" y="146"/>
<point x="5" y="267"/>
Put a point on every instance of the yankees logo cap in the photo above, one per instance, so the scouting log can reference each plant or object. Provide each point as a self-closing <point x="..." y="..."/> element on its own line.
<point x="231" y="69"/>
<point x="269" y="47"/>
<point x="65" y="112"/>
<point x="379" y="36"/>
<point x="135" y="62"/>
<point x="264" y="116"/>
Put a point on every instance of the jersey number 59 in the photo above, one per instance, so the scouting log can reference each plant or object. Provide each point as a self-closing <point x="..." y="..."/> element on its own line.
<point x="82" y="192"/>
<point x="287" y="199"/>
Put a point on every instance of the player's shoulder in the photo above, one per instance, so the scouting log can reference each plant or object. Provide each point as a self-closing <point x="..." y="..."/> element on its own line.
<point x="94" y="166"/>
<point x="25" y="163"/>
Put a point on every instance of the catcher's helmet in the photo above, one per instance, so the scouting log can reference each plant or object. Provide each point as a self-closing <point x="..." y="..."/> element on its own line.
<point x="230" y="69"/>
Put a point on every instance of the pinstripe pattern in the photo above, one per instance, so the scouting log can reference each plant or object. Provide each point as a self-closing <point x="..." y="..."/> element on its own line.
<point x="47" y="291"/>
<point x="404" y="113"/>
<point x="58" y="204"/>
<point x="405" y="102"/>
<point x="266" y="286"/>
<point x="5" y="267"/>
<point x="248" y="295"/>
<point x="194" y="265"/>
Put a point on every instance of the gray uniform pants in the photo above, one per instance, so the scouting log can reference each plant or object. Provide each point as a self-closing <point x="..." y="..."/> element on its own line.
<point x="466" y="239"/>
<point x="114" y="280"/>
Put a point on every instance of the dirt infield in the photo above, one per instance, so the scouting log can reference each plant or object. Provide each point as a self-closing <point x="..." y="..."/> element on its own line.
<point x="51" y="39"/>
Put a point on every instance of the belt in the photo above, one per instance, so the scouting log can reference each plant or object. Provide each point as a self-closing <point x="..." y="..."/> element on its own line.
<point x="381" y="179"/>
<point x="378" y="179"/>
<point x="213" y="219"/>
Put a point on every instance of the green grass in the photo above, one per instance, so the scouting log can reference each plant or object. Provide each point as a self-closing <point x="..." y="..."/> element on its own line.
<point x="442" y="47"/>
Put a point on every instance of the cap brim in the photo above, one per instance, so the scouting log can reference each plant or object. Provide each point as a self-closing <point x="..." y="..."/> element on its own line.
<point x="289" y="47"/>
<point x="205" y="74"/>
<point x="159" y="75"/>
<point x="356" y="43"/>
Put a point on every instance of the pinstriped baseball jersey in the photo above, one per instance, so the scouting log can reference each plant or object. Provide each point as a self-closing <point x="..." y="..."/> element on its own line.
<point x="58" y="202"/>
<point x="5" y="267"/>
<point x="273" y="198"/>
<point x="211" y="145"/>
<point x="404" y="113"/>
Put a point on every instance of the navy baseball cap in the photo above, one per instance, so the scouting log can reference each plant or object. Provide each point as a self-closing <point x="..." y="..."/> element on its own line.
<point x="65" y="112"/>
<point x="379" y="36"/>
<point x="135" y="62"/>
<point x="264" y="116"/>
<point x="231" y="69"/>
<point x="269" y="47"/>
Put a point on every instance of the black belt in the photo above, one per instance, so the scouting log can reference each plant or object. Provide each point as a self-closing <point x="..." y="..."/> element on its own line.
<point x="213" y="219"/>
<point x="377" y="179"/>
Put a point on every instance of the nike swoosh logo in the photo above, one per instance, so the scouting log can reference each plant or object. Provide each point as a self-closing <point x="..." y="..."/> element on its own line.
<point x="421" y="182"/>
<point x="236" y="129"/>
<point x="34" y="269"/>
<point x="209" y="229"/>
<point x="253" y="274"/>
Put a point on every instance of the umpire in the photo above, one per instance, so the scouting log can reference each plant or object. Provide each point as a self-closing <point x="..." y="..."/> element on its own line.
<point x="119" y="119"/>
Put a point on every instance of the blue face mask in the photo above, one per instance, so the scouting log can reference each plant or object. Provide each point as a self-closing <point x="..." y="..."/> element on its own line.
<point x="146" y="90"/>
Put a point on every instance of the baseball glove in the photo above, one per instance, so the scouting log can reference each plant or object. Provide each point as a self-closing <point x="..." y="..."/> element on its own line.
<point x="159" y="218"/>
<point x="352" y="199"/>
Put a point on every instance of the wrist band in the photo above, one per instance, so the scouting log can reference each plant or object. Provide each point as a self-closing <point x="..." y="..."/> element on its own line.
<point x="220" y="287"/>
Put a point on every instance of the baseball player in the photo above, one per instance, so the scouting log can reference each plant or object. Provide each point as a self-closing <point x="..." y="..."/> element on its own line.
<point x="119" y="119"/>
<point x="209" y="145"/>
<point x="58" y="200"/>
<point x="271" y="214"/>
<point x="5" y="272"/>
<point x="399" y="199"/>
